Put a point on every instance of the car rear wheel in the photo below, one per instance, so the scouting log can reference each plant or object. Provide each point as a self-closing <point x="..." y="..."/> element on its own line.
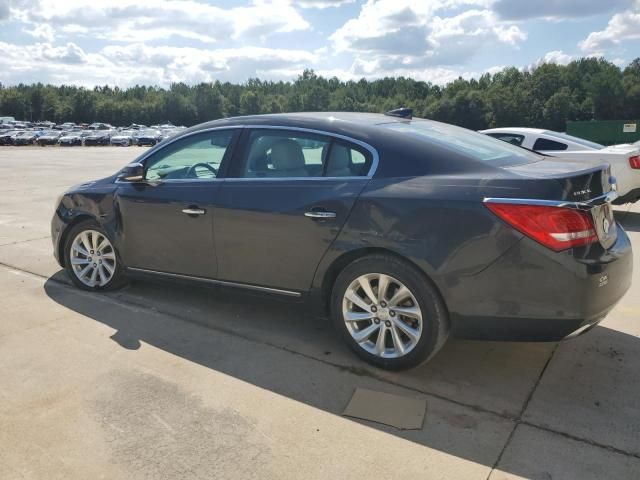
<point x="91" y="260"/>
<point x="388" y="313"/>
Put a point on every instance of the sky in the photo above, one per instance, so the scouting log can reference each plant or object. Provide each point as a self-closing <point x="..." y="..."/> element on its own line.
<point x="159" y="42"/>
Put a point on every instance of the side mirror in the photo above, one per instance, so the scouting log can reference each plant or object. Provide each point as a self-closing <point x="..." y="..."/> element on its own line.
<point x="134" y="172"/>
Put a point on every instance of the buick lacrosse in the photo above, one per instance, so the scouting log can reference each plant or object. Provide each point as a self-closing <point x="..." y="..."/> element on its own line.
<point x="404" y="231"/>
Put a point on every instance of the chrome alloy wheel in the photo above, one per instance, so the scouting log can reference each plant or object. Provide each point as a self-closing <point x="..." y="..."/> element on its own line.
<point x="382" y="315"/>
<point x="92" y="258"/>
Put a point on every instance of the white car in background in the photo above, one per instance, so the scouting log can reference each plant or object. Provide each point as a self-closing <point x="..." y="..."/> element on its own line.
<point x="125" y="138"/>
<point x="624" y="159"/>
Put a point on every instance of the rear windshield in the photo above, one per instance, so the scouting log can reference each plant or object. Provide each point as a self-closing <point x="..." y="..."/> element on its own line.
<point x="579" y="141"/>
<point x="473" y="144"/>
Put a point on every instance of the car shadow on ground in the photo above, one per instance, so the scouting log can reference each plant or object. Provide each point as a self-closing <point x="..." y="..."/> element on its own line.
<point x="475" y="374"/>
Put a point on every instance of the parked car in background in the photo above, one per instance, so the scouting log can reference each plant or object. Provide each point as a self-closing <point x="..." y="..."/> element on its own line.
<point x="67" y="126"/>
<point x="98" y="137"/>
<point x="49" y="137"/>
<point x="25" y="138"/>
<point x="624" y="159"/>
<point x="125" y="138"/>
<point x="99" y="126"/>
<point x="70" y="139"/>
<point x="405" y="231"/>
<point x="149" y="137"/>
<point x="6" y="138"/>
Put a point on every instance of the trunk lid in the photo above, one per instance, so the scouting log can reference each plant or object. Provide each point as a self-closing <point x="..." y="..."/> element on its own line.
<point x="574" y="181"/>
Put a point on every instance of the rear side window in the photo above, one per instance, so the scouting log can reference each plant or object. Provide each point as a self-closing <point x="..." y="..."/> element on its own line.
<point x="284" y="154"/>
<point x="511" y="138"/>
<point x="543" y="144"/>
<point x="274" y="153"/>
<point x="477" y="146"/>
<point x="347" y="160"/>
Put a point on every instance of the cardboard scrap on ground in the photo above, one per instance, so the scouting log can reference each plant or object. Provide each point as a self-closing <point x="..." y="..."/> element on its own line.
<point x="405" y="413"/>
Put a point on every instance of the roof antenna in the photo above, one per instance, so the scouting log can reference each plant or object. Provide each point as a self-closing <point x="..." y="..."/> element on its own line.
<point x="401" y="113"/>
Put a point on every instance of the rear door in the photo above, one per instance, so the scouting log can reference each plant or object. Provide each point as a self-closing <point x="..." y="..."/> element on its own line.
<point x="290" y="194"/>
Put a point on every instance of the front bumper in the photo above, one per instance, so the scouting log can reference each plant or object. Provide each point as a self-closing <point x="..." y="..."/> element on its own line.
<point x="534" y="294"/>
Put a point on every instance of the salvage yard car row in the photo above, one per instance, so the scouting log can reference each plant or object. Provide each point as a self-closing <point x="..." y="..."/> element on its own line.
<point x="94" y="135"/>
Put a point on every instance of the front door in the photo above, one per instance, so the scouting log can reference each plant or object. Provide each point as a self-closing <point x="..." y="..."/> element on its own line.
<point x="167" y="220"/>
<point x="291" y="195"/>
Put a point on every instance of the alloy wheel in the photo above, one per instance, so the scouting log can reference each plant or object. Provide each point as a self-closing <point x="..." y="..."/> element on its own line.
<point x="382" y="315"/>
<point x="92" y="258"/>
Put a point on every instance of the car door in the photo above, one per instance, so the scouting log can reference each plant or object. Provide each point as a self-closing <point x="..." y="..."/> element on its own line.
<point x="167" y="219"/>
<point x="288" y="195"/>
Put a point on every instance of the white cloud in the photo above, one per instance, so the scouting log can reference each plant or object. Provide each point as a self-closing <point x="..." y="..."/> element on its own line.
<point x="138" y="63"/>
<point x="403" y="37"/>
<point x="622" y="27"/>
<point x="321" y="4"/>
<point x="555" y="56"/>
<point x="41" y="32"/>
<point x="144" y="20"/>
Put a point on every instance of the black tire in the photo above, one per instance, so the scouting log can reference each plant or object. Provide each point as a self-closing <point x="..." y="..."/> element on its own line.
<point x="435" y="328"/>
<point x="117" y="280"/>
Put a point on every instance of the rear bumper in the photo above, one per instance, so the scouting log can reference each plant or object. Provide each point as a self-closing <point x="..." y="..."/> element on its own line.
<point x="534" y="294"/>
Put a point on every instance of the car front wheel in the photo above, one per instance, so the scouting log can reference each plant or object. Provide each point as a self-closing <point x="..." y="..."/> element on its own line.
<point x="91" y="260"/>
<point x="388" y="312"/>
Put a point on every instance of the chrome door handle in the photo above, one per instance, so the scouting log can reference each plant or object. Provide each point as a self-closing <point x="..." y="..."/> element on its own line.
<point x="320" y="214"/>
<point x="194" y="211"/>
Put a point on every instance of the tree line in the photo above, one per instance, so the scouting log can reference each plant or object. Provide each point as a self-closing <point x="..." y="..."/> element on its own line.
<point x="545" y="96"/>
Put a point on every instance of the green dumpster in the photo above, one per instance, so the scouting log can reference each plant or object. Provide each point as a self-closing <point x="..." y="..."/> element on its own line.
<point x="606" y="132"/>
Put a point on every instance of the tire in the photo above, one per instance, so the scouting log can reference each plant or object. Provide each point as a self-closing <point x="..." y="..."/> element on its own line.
<point x="74" y="261"/>
<point x="428" y="324"/>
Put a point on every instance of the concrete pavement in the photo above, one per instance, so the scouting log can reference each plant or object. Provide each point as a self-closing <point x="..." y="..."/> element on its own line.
<point x="166" y="381"/>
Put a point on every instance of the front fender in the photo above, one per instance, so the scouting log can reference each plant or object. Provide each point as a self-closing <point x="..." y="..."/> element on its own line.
<point x="76" y="206"/>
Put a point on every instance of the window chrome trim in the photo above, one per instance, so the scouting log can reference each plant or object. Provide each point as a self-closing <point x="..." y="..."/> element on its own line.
<point x="584" y="205"/>
<point x="375" y="158"/>
<point x="223" y="283"/>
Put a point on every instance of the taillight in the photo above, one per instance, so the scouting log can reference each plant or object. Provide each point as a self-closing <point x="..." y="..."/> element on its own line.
<point x="634" y="162"/>
<point x="554" y="227"/>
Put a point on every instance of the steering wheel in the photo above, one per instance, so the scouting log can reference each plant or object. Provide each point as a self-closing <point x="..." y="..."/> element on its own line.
<point x="191" y="173"/>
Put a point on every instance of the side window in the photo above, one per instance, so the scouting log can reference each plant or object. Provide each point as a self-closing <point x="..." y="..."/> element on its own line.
<point x="346" y="160"/>
<point x="197" y="157"/>
<point x="281" y="153"/>
<point x="511" y="138"/>
<point x="546" y="144"/>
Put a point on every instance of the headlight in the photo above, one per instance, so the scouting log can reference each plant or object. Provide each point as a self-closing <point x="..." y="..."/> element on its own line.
<point x="58" y="201"/>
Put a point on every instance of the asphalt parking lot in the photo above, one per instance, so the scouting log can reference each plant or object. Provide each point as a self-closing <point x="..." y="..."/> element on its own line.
<point x="165" y="382"/>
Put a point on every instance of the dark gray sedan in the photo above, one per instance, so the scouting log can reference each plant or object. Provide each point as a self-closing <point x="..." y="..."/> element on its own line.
<point x="404" y="231"/>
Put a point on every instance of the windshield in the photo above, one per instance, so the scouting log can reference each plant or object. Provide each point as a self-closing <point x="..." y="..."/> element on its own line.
<point x="571" y="138"/>
<point x="476" y="145"/>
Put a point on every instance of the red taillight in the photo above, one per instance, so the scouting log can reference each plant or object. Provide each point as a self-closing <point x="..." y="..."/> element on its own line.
<point x="634" y="162"/>
<point x="554" y="227"/>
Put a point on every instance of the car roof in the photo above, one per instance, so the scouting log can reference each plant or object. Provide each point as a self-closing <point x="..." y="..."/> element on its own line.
<point x="522" y="130"/>
<point x="354" y="124"/>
